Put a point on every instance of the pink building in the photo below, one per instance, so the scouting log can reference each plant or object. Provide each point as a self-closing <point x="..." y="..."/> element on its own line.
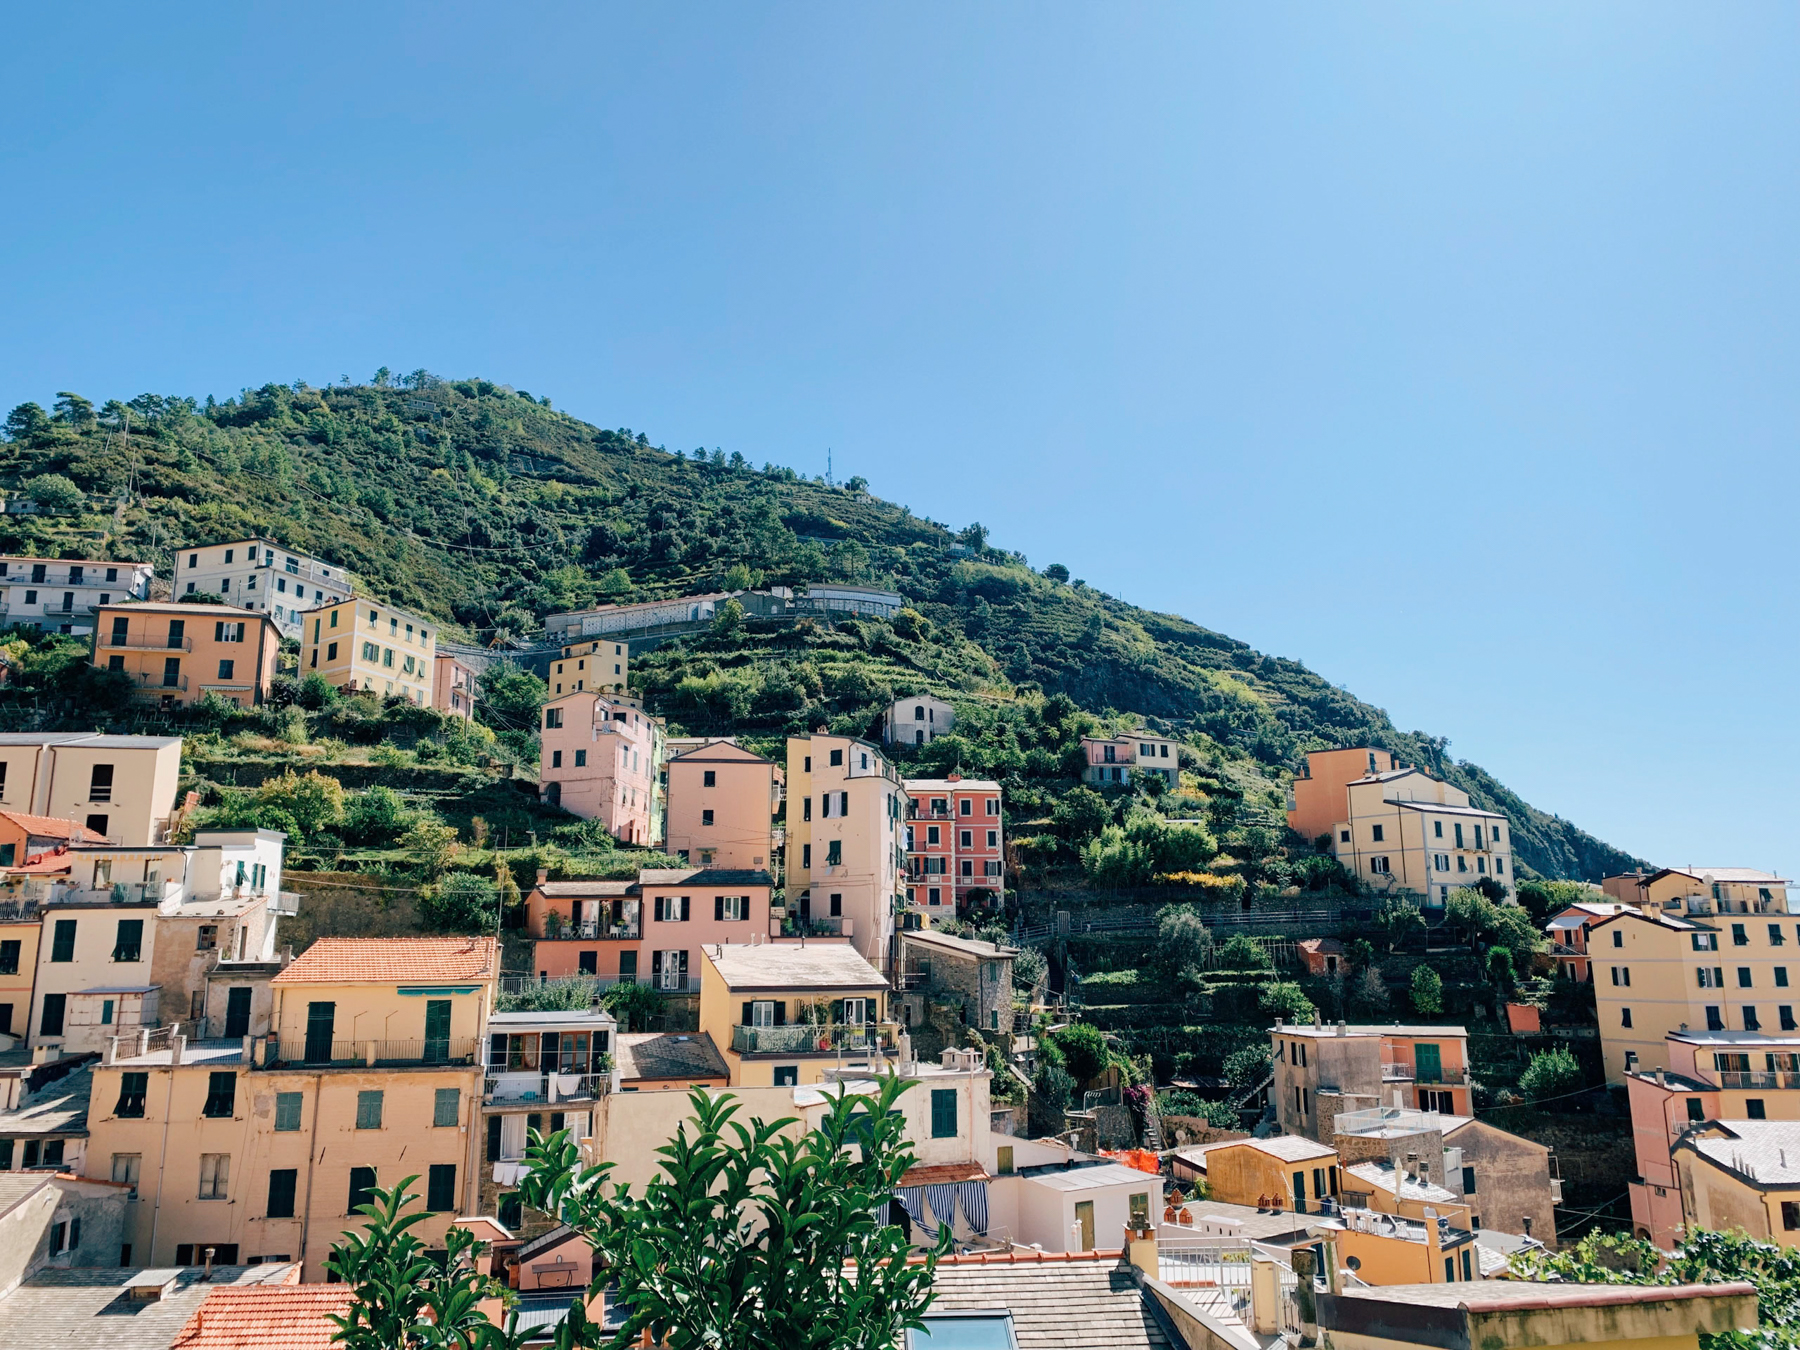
<point x="1111" y="759"/>
<point x="955" y="842"/>
<point x="1570" y="932"/>
<point x="599" y="761"/>
<point x="453" y="687"/>
<point x="649" y="930"/>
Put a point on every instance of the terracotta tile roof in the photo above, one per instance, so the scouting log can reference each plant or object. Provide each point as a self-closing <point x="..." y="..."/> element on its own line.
<point x="943" y="1174"/>
<point x="453" y="960"/>
<point x="49" y="827"/>
<point x="265" y="1317"/>
<point x="669" y="1055"/>
<point x="42" y="864"/>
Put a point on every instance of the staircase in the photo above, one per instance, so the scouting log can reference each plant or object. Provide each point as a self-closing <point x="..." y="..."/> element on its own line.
<point x="1153" y="1131"/>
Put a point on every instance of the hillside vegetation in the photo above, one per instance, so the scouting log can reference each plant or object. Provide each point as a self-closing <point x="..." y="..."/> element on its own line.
<point x="488" y="509"/>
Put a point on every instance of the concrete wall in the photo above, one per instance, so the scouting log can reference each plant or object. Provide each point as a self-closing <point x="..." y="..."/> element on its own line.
<point x="96" y="935"/>
<point x="1512" y="1180"/>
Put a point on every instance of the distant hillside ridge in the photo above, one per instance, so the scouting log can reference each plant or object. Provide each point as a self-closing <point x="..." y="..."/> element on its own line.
<point x="487" y="509"/>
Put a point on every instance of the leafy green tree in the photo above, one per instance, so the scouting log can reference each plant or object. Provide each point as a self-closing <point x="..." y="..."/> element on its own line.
<point x="511" y="697"/>
<point x="1242" y="952"/>
<point x="1029" y="971"/>
<point x="461" y="903"/>
<point x="1182" y="940"/>
<point x="1399" y="920"/>
<point x="377" y="815"/>
<point x="1551" y="1073"/>
<point x="315" y="693"/>
<point x="1500" y="969"/>
<point x="1052" y="1093"/>
<point x="728" y="619"/>
<point x="26" y="421"/>
<point x="1287" y="1000"/>
<point x="1246" y="1067"/>
<point x="1084" y="1051"/>
<point x="1112" y="858"/>
<point x="54" y="492"/>
<point x="635" y="1005"/>
<point x="1220" y="1115"/>
<point x="1360" y="953"/>
<point x="1080" y="814"/>
<point x="73" y="410"/>
<point x="405" y="1296"/>
<point x="751" y="1237"/>
<point x="1057" y="572"/>
<point x="1427" y="991"/>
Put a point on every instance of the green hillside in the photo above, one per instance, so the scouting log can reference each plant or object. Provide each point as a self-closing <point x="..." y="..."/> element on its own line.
<point x="488" y="509"/>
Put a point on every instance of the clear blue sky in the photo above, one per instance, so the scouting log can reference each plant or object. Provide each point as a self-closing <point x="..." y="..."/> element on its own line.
<point x="1448" y="348"/>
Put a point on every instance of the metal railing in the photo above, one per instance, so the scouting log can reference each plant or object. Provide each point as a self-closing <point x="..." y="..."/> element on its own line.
<point x="149" y="683"/>
<point x="1731" y="1078"/>
<point x="520" y="984"/>
<point x="829" y="1039"/>
<point x="522" y="1087"/>
<point x="147" y="644"/>
<point x="1220" y="1262"/>
<point x="591" y="932"/>
<point x="1398" y="1071"/>
<point x="457" y="1050"/>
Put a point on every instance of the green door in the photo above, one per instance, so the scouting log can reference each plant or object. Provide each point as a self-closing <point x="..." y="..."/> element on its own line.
<point x="1427" y="1066"/>
<point x="320" y="1018"/>
<point x="1084" y="1216"/>
<point x="437" y="1030"/>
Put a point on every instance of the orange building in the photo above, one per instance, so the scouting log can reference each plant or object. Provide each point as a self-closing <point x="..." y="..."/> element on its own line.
<point x="1321" y="1071"/>
<point x="1320" y="796"/>
<point x="722" y="805"/>
<point x="177" y="654"/>
<point x="954" y="840"/>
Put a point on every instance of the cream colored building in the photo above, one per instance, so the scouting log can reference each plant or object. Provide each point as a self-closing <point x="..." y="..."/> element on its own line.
<point x="600" y="665"/>
<point x="1705" y="949"/>
<point x="723" y="800"/>
<point x="260" y="574"/>
<point x="121" y="787"/>
<point x="1113" y="759"/>
<point x="1742" y="1174"/>
<point x="793" y="1012"/>
<point x="364" y="645"/>
<point x="61" y="594"/>
<point x="845" y="854"/>
<point x="1404" y="831"/>
<point x="264" y="1149"/>
<point x="918" y="719"/>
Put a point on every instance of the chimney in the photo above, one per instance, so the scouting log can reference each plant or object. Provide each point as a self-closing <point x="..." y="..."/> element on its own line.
<point x="46" y="1054"/>
<point x="1340" y="1027"/>
<point x="206" y="1270"/>
<point x="1317" y="1022"/>
<point x="543" y="875"/>
<point x="1659" y="1078"/>
<point x="177" y="1045"/>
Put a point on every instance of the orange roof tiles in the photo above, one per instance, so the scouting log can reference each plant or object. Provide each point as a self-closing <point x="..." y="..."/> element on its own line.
<point x="42" y="864"/>
<point x="265" y="1317"/>
<point x="451" y="960"/>
<point x="50" y="827"/>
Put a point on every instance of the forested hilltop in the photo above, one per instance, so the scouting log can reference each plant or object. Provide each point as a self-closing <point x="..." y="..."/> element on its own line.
<point x="488" y="509"/>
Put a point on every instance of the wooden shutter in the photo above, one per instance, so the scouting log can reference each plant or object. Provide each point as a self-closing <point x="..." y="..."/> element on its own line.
<point x="718" y="908"/>
<point x="781" y="1012"/>
<point x="749" y="1012"/>
<point x="685" y="912"/>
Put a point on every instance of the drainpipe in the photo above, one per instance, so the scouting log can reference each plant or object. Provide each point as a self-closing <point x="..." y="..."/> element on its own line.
<point x="312" y="1164"/>
<point x="162" y="1163"/>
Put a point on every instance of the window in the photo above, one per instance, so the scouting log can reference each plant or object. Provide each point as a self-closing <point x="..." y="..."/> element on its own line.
<point x="731" y="908"/>
<point x="836" y="905"/>
<point x="706" y="817"/>
<point x="1694" y="1109"/>
<point x="9" y="956"/>
<point x="132" y="1090"/>
<point x="1705" y="942"/>
<point x="787" y="1075"/>
<point x="967" y="839"/>
<point x="287" y="1110"/>
<point x="1381" y="867"/>
<point x="1618" y="938"/>
<point x="368" y="1109"/>
<point x="1376" y="833"/>
<point x="440" y="1188"/>
<point x="282" y="1184"/>
<point x="672" y="908"/>
<point x="556" y="759"/>
<point x="1714" y="1022"/>
<point x="1343" y="836"/>
<point x="1621" y="975"/>
<point x="834" y="853"/>
<point x="225" y="669"/>
<point x="50" y="1021"/>
<point x="943" y="1113"/>
<point x="1710" y="977"/>
<point x="362" y="1186"/>
<point x="1790" y="1215"/>
<point x="129" y="945"/>
<point x="1743" y="974"/>
<point x="1739" y="938"/>
<point x="1750" y="1020"/>
<point x="100" y="783"/>
<point x="552" y="718"/>
<point x="1781" y="980"/>
<point x="221" y="1094"/>
<point x="215" y="1176"/>
<point x="837" y="758"/>
<point x="1624" y="1017"/>
<point x="446" y="1109"/>
<point x="127" y="1168"/>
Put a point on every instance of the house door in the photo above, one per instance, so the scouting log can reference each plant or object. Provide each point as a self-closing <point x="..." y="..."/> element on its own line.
<point x="1428" y="1067"/>
<point x="237" y="1012"/>
<point x="1084" y="1220"/>
<point x="437" y="1030"/>
<point x="319" y="1020"/>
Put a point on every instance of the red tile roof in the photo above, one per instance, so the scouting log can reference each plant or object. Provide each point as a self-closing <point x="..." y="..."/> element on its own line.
<point x="50" y="827"/>
<point x="265" y="1317"/>
<point x="450" y="960"/>
<point x="42" y="864"/>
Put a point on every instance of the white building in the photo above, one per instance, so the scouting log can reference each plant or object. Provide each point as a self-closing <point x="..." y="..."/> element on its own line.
<point x="259" y="574"/>
<point x="62" y="593"/>
<point x="918" y="719"/>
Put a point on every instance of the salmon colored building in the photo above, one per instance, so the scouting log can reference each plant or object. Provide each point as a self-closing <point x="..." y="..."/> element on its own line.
<point x="1319" y="798"/>
<point x="845" y="850"/>
<point x="722" y="804"/>
<point x="176" y="654"/>
<point x="955" y="842"/>
<point x="649" y="930"/>
<point x="600" y="760"/>
<point x="453" y="686"/>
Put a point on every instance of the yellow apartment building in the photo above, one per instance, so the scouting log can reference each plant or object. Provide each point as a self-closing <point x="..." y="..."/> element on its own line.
<point x="1283" y="1171"/>
<point x="845" y="852"/>
<point x="1698" y="956"/>
<point x="20" y="928"/>
<point x="1403" y="830"/>
<point x="1742" y="1174"/>
<point x="175" y="655"/>
<point x="722" y="803"/>
<point x="602" y="666"/>
<point x="788" y="1012"/>
<point x="365" y="646"/>
<point x="120" y="787"/>
<point x="264" y="1150"/>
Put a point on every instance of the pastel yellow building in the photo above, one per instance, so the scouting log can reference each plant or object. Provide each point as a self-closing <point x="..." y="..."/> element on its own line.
<point x="1704" y="950"/>
<point x="602" y="666"/>
<point x="789" y="1012"/>
<point x="1742" y="1174"/>
<point x="263" y="1148"/>
<point x="364" y="645"/>
<point x="119" y="787"/>
<point x="1283" y="1171"/>
<point x="845" y="853"/>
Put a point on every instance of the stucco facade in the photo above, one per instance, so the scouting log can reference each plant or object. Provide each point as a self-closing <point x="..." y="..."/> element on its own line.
<point x="955" y="842"/>
<point x="599" y="759"/>
<point x="175" y="655"/>
<point x="722" y="804"/>
<point x="844" y="844"/>
<point x="1113" y="759"/>
<point x="598" y="665"/>
<point x="367" y="646"/>
<point x="260" y="574"/>
<point x="120" y="787"/>
<point x="60" y="595"/>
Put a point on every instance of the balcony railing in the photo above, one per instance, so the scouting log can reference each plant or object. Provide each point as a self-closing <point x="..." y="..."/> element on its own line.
<point x="1760" y="1079"/>
<point x="1564" y="949"/>
<point x="150" y="683"/>
<point x="138" y="642"/>
<point x="1398" y="1071"/>
<point x="350" y="1054"/>
<point x="552" y="1087"/>
<point x="830" y="1039"/>
<point x="591" y="932"/>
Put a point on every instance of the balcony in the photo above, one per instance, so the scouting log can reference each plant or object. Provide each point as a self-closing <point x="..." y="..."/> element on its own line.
<point x="526" y="1088"/>
<point x="456" y="1051"/>
<point x="1563" y="949"/>
<point x="627" y="931"/>
<point x="828" y="1039"/>
<point x="119" y="893"/>
<point x="1398" y="1071"/>
<point x="147" y="644"/>
<point x="286" y="904"/>
<point x="148" y="683"/>
<point x="54" y="609"/>
<point x="1737" y="1079"/>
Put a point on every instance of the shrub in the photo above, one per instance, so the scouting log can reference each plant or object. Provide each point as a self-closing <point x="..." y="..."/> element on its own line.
<point x="1550" y="1074"/>
<point x="377" y="815"/>
<point x="1427" y="991"/>
<point x="1084" y="1051"/>
<point x="1242" y="952"/>
<point x="1176" y="1102"/>
<point x="54" y="492"/>
<point x="1247" y="1067"/>
<point x="1213" y="886"/>
<point x="461" y="903"/>
<point x="633" y="1004"/>
<point x="1288" y="1000"/>
<point x="1181" y="939"/>
<point x="315" y="693"/>
<point x="1030" y="970"/>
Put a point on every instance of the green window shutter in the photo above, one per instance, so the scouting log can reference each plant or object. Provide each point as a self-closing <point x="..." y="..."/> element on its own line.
<point x="287" y="1110"/>
<point x="447" y="1108"/>
<point x="368" y="1110"/>
<point x="943" y="1113"/>
<point x="282" y="1185"/>
<point x="62" y="942"/>
<point x="440" y="1188"/>
<point x="362" y="1187"/>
